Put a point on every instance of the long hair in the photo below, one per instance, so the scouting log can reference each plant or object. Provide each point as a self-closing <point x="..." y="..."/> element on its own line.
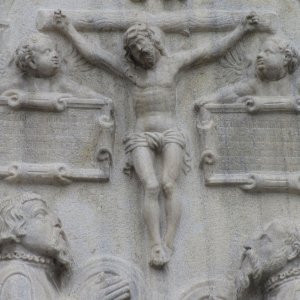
<point x="142" y="30"/>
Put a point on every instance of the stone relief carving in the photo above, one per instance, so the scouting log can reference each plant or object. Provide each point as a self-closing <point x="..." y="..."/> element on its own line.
<point x="270" y="263"/>
<point x="50" y="173"/>
<point x="109" y="269"/>
<point x="183" y="21"/>
<point x="35" y="257"/>
<point x="41" y="85"/>
<point x="271" y="90"/>
<point x="207" y="290"/>
<point x="40" y="81"/>
<point x="48" y="154"/>
<point x="152" y="72"/>
<point x="276" y="61"/>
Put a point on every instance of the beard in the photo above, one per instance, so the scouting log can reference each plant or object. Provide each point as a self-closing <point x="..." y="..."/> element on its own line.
<point x="254" y="271"/>
<point x="61" y="253"/>
<point x="250" y="272"/>
<point x="149" y="58"/>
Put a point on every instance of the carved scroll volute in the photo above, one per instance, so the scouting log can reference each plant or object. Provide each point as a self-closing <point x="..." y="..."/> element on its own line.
<point x="281" y="182"/>
<point x="269" y="104"/>
<point x="207" y="131"/>
<point x="105" y="143"/>
<point x="17" y="100"/>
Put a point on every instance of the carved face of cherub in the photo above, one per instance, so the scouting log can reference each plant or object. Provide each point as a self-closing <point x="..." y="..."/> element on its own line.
<point x="37" y="56"/>
<point x="276" y="59"/>
<point x="265" y="256"/>
<point x="45" y="59"/>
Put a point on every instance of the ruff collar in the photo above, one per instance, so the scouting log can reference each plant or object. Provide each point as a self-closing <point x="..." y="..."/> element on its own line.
<point x="27" y="258"/>
<point x="281" y="278"/>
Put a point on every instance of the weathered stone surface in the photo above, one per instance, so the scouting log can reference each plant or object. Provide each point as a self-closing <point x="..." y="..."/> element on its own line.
<point x="90" y="89"/>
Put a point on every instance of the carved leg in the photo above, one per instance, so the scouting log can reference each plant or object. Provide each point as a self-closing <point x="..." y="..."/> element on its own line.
<point x="172" y="163"/>
<point x="143" y="164"/>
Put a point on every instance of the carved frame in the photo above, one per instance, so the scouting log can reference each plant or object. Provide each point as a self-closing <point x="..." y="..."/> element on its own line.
<point x="267" y="181"/>
<point x="61" y="173"/>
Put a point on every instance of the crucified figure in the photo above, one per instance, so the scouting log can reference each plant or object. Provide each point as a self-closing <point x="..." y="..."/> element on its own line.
<point x="152" y="73"/>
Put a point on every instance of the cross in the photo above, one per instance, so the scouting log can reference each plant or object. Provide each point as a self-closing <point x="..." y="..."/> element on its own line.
<point x="175" y="22"/>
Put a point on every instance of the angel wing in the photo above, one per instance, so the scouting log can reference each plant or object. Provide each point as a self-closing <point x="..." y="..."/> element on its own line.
<point x="75" y="61"/>
<point x="235" y="65"/>
<point x="6" y="60"/>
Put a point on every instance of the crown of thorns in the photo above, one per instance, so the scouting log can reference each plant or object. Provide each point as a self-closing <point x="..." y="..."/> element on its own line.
<point x="136" y="31"/>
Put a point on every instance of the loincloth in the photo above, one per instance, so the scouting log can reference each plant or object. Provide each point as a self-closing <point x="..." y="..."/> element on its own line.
<point x="156" y="141"/>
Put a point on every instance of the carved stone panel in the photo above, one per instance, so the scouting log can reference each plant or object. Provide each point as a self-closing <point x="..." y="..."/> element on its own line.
<point x="72" y="143"/>
<point x="253" y="145"/>
<point x="92" y="91"/>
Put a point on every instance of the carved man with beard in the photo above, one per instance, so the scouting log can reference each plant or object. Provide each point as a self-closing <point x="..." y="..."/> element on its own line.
<point x="34" y="254"/>
<point x="271" y="263"/>
<point x="152" y="73"/>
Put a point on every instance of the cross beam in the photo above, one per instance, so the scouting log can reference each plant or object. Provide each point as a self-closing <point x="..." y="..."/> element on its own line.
<point x="172" y="22"/>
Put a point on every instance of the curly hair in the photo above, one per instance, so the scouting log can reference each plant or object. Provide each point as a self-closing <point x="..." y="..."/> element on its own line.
<point x="290" y="229"/>
<point x="12" y="219"/>
<point x="290" y="52"/>
<point x="142" y="30"/>
<point x="24" y="53"/>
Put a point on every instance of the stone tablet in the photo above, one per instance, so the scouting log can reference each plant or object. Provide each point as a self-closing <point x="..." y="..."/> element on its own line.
<point x="252" y="145"/>
<point x="59" y="147"/>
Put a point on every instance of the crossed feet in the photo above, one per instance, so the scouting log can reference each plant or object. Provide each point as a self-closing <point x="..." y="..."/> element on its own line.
<point x="160" y="256"/>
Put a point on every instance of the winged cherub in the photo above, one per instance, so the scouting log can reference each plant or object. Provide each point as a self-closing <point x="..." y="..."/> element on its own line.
<point x="39" y="68"/>
<point x="152" y="73"/>
<point x="276" y="61"/>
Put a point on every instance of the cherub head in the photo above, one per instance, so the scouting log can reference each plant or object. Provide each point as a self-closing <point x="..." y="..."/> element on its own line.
<point x="143" y="45"/>
<point x="37" y="56"/>
<point x="276" y="59"/>
<point x="275" y="250"/>
<point x="27" y="221"/>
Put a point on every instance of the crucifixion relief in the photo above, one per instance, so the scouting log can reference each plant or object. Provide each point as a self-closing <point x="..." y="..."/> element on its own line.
<point x="152" y="74"/>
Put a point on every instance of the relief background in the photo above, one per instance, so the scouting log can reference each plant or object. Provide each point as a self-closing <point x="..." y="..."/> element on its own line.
<point x="105" y="218"/>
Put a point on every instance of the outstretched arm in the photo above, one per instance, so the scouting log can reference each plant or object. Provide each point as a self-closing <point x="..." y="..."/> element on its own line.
<point x="93" y="54"/>
<point x="77" y="90"/>
<point x="218" y="49"/>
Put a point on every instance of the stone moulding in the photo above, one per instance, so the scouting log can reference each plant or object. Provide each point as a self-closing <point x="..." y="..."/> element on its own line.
<point x="50" y="174"/>
<point x="47" y="102"/>
<point x="31" y="105"/>
<point x="207" y="290"/>
<point x="251" y="180"/>
<point x="183" y="21"/>
<point x="256" y="182"/>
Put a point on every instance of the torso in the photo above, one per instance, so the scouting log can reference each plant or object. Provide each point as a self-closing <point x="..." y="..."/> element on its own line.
<point x="42" y="287"/>
<point x="282" y="87"/>
<point x="154" y="98"/>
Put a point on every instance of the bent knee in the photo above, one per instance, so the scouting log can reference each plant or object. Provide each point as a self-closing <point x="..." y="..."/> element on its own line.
<point x="168" y="186"/>
<point x="152" y="187"/>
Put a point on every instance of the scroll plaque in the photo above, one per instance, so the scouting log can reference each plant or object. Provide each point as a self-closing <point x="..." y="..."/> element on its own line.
<point x="60" y="146"/>
<point x="254" y="145"/>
